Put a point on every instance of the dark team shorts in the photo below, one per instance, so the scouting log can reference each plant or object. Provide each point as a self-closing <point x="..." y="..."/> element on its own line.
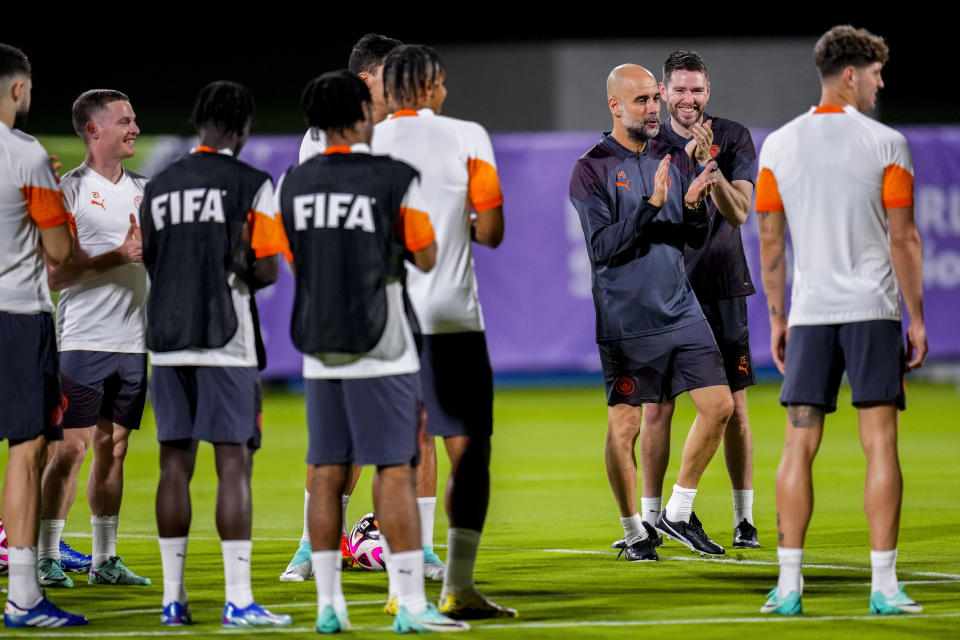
<point x="103" y="384"/>
<point x="871" y="352"/>
<point x="661" y="366"/>
<point x="457" y="384"/>
<point x="363" y="420"/>
<point x="220" y="405"/>
<point x="728" y="321"/>
<point x="30" y="400"/>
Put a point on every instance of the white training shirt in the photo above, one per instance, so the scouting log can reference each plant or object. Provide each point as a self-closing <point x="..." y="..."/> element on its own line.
<point x="107" y="312"/>
<point x="458" y="170"/>
<point x="314" y="143"/>
<point x="29" y="201"/>
<point x="241" y="350"/>
<point x="834" y="173"/>
<point x="396" y="352"/>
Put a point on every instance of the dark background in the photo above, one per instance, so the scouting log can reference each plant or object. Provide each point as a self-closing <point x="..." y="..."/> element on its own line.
<point x="162" y="60"/>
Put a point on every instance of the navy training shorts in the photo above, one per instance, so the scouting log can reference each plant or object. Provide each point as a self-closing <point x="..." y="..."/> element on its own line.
<point x="658" y="367"/>
<point x="368" y="421"/>
<point x="30" y="400"/>
<point x="871" y="352"/>
<point x="103" y="384"/>
<point x="219" y="405"/>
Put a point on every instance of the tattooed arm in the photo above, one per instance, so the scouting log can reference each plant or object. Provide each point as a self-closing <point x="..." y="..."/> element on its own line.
<point x="773" y="225"/>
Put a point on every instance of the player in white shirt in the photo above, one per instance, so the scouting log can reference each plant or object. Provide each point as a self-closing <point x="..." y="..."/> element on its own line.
<point x="844" y="184"/>
<point x="455" y="159"/>
<point x="32" y="221"/>
<point x="100" y="331"/>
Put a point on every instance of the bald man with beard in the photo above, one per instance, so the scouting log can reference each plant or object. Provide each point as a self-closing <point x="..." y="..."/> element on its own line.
<point x="638" y="211"/>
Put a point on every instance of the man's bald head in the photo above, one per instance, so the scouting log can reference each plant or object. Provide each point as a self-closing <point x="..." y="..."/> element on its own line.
<point x="633" y="96"/>
<point x="627" y="76"/>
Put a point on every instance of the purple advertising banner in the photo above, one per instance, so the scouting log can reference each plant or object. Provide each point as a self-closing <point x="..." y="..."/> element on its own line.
<point x="535" y="288"/>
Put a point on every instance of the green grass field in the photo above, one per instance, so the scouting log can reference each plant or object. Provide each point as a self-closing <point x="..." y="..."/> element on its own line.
<point x="546" y="548"/>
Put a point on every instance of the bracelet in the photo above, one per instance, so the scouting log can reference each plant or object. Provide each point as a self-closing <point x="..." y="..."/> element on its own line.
<point x="692" y="207"/>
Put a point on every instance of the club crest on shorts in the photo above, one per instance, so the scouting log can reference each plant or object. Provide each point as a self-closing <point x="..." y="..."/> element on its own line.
<point x="624" y="385"/>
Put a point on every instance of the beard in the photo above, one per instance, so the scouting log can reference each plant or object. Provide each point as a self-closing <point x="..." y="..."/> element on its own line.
<point x="20" y="119"/>
<point x="641" y="134"/>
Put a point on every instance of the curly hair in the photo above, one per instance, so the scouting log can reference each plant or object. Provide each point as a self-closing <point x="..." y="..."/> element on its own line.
<point x="845" y="46"/>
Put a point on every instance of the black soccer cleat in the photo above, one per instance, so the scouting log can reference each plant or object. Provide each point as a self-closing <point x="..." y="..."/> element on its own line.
<point x="745" y="536"/>
<point x="658" y="539"/>
<point x="690" y="534"/>
<point x="640" y="551"/>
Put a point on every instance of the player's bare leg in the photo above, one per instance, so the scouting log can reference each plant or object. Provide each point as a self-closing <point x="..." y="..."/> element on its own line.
<point x="21" y="492"/>
<point x="105" y="482"/>
<point x="883" y="488"/>
<point x="61" y="472"/>
<point x="173" y="508"/>
<point x="795" y="494"/>
<point x="714" y="405"/>
<point x="738" y="444"/>
<point x="328" y="483"/>
<point x="655" y="446"/>
<point x="21" y="508"/>
<point x="882" y="496"/>
<point x="623" y="428"/>
<point x="58" y="492"/>
<point x="104" y="495"/>
<point x="234" y="505"/>
<point x="174" y="512"/>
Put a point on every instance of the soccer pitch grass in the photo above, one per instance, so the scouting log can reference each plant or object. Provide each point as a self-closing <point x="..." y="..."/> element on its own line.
<point x="546" y="550"/>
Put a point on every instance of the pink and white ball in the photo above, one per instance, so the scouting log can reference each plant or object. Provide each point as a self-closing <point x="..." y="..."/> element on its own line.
<point x="366" y="547"/>
<point x="4" y="560"/>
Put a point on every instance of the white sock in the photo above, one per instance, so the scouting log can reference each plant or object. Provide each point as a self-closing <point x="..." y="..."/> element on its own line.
<point x="173" y="557"/>
<point x="680" y="504"/>
<point x="461" y="557"/>
<point x="344" y="501"/>
<point x="884" y="564"/>
<point x="305" y="536"/>
<point x="391" y="581"/>
<point x="408" y="575"/>
<point x="791" y="578"/>
<point x="24" y="590"/>
<point x="427" y="507"/>
<point x="104" y="538"/>
<point x="742" y="506"/>
<point x="48" y="543"/>
<point x="236" y="571"/>
<point x="633" y="530"/>
<point x="650" y="509"/>
<point x="326" y="573"/>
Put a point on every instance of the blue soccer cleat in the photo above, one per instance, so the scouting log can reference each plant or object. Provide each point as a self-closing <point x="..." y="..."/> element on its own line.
<point x="73" y="560"/>
<point x="331" y="621"/>
<point x="300" y="567"/>
<point x="789" y="606"/>
<point x="430" y="621"/>
<point x="901" y="603"/>
<point x="43" y="614"/>
<point x="252" y="616"/>
<point x="176" y="615"/>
